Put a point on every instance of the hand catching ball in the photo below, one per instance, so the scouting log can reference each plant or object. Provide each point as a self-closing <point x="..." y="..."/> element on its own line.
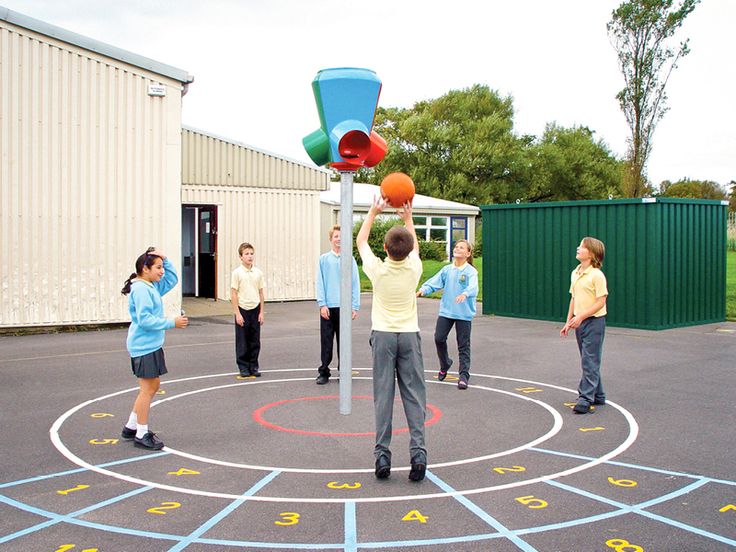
<point x="397" y="189"/>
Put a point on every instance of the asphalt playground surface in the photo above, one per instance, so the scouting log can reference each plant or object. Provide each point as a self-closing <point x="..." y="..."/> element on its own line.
<point x="271" y="464"/>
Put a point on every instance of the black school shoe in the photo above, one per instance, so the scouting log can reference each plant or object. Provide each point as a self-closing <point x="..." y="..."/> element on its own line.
<point x="418" y="467"/>
<point x="149" y="441"/>
<point x="255" y="373"/>
<point x="582" y="408"/>
<point x="383" y="467"/>
<point x="322" y="379"/>
<point x="127" y="433"/>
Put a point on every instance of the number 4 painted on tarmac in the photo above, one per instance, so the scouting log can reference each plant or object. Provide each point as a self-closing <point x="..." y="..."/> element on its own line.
<point x="414" y="515"/>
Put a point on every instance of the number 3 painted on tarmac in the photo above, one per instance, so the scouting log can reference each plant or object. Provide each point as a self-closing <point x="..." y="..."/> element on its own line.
<point x="290" y="518"/>
<point x="336" y="485"/>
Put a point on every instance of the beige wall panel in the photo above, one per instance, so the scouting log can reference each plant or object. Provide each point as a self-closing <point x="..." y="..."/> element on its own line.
<point x="89" y="176"/>
<point x="282" y="225"/>
<point x="211" y="161"/>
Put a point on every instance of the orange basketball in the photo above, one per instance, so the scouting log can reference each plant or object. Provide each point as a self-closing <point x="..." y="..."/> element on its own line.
<point x="397" y="188"/>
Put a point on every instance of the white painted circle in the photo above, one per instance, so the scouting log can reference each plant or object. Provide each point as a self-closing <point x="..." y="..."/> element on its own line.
<point x="633" y="433"/>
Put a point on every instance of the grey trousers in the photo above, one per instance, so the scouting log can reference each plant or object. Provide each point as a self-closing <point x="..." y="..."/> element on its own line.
<point x="397" y="357"/>
<point x="590" y="336"/>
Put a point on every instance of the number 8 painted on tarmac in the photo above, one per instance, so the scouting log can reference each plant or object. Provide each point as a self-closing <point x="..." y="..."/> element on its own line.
<point x="620" y="545"/>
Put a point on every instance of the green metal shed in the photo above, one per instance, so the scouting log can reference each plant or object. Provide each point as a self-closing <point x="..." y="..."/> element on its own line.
<point x="665" y="259"/>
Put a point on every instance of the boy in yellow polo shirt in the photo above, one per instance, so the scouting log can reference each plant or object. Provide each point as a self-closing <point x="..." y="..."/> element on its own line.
<point x="246" y="296"/>
<point x="395" y="343"/>
<point x="587" y="316"/>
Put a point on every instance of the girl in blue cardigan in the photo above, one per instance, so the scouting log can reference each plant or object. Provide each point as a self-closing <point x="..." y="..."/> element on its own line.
<point x="459" y="284"/>
<point x="154" y="276"/>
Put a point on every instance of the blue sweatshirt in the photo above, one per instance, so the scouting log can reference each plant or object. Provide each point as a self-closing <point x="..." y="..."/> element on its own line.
<point x="148" y="324"/>
<point x="454" y="281"/>
<point x="328" y="281"/>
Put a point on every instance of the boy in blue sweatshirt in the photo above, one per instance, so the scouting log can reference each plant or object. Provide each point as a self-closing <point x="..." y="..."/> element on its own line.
<point x="459" y="284"/>
<point x="328" y="299"/>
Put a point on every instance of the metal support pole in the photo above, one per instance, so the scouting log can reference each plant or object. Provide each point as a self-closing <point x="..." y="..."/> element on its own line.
<point x="346" y="294"/>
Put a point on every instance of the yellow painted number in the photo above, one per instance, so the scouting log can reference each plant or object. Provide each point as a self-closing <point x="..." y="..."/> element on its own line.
<point x="101" y="415"/>
<point x="414" y="515"/>
<point x="570" y="404"/>
<point x="164" y="506"/>
<point x="728" y="507"/>
<point x="161" y="392"/>
<point x="532" y="502"/>
<point x="183" y="471"/>
<point x="584" y="429"/>
<point x="336" y="485"/>
<point x="77" y="488"/>
<point x="512" y="469"/>
<point x="290" y="518"/>
<point x="528" y="389"/>
<point x="621" y="545"/>
<point x="103" y="441"/>
<point x="622" y="482"/>
<point x="65" y="547"/>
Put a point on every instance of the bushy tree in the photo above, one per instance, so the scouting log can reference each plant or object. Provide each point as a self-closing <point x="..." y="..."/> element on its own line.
<point x="641" y="32"/>
<point x="695" y="189"/>
<point x="570" y="164"/>
<point x="459" y="146"/>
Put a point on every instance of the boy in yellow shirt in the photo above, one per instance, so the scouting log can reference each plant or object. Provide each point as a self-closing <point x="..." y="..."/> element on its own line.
<point x="246" y="296"/>
<point x="395" y="343"/>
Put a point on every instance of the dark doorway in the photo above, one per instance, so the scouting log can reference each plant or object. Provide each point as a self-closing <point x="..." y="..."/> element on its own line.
<point x="199" y="250"/>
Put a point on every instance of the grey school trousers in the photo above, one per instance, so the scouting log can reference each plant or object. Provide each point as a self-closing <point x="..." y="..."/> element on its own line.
<point x="397" y="357"/>
<point x="590" y="336"/>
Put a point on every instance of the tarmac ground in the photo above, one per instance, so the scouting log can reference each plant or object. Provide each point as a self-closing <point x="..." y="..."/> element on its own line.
<point x="269" y="463"/>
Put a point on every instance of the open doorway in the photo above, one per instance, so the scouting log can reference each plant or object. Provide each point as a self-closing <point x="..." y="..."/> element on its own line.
<point x="199" y="251"/>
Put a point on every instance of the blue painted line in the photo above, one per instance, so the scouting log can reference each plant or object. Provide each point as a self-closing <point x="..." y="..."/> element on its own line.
<point x="79" y="470"/>
<point x="639" y="508"/>
<point x="58" y="518"/>
<point x="222" y="514"/>
<point x="482" y="514"/>
<point x="635" y="466"/>
<point x="351" y="527"/>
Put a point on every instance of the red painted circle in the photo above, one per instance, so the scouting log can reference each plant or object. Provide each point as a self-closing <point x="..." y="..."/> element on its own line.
<point x="258" y="417"/>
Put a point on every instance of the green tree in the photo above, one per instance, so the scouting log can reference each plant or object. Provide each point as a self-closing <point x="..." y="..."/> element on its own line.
<point x="640" y="31"/>
<point x="695" y="189"/>
<point x="459" y="147"/>
<point x="570" y="164"/>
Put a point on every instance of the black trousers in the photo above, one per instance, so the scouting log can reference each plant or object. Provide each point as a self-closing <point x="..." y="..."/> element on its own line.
<point x="248" y="341"/>
<point x="462" y="332"/>
<point x="329" y="330"/>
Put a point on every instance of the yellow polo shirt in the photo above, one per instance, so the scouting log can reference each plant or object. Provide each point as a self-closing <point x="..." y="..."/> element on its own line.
<point x="585" y="287"/>
<point x="248" y="283"/>
<point x="394" y="292"/>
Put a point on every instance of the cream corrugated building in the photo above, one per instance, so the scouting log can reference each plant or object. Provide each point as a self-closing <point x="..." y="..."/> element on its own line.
<point x="92" y="171"/>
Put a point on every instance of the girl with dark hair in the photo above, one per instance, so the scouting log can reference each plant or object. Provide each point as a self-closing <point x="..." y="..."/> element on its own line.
<point x="154" y="276"/>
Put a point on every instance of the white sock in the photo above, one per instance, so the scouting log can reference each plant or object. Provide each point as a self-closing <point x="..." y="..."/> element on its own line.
<point x="132" y="421"/>
<point x="141" y="431"/>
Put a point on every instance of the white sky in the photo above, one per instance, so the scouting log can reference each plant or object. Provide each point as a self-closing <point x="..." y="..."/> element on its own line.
<point x="253" y="62"/>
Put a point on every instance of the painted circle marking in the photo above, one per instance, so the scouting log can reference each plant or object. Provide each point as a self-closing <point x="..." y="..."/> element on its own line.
<point x="64" y="450"/>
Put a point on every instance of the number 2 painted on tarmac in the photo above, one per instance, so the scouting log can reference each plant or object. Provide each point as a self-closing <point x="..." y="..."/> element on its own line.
<point x="290" y="518"/>
<point x="512" y="469"/>
<point x="621" y="545"/>
<point x="164" y="506"/>
<point x="336" y="485"/>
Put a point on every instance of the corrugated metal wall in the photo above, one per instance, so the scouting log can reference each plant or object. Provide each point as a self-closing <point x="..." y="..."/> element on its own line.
<point x="282" y="225"/>
<point x="212" y="161"/>
<point x="665" y="259"/>
<point x="89" y="177"/>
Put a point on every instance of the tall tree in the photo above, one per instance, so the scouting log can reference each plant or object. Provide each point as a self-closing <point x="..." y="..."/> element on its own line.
<point x="641" y="32"/>
<point x="694" y="189"/>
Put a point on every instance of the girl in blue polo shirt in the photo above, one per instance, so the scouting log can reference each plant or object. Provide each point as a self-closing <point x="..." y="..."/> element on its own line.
<point x="459" y="284"/>
<point x="154" y="276"/>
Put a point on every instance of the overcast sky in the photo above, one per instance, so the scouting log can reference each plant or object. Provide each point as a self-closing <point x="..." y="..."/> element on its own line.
<point x="253" y="62"/>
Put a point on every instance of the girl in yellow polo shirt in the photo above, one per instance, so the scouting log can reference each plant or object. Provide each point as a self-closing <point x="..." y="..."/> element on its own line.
<point x="587" y="316"/>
